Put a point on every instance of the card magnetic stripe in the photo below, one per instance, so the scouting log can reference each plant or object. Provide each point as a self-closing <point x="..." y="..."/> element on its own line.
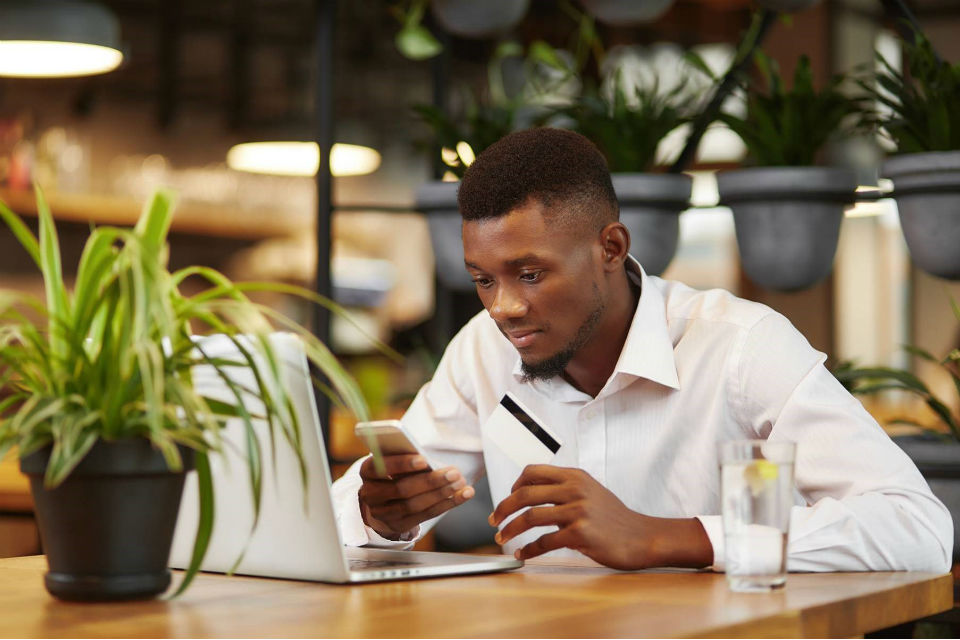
<point x="530" y="424"/>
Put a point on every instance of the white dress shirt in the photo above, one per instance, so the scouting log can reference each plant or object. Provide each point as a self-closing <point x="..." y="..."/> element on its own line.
<point x="697" y="368"/>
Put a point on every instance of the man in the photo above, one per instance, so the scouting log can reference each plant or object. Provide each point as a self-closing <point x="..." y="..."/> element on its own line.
<point x="641" y="379"/>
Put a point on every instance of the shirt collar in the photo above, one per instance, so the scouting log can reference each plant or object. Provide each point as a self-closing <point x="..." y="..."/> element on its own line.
<point x="648" y="349"/>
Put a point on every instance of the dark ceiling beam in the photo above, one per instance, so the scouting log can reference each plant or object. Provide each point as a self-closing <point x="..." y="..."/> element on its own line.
<point x="240" y="52"/>
<point x="326" y="14"/>
<point x="169" y="58"/>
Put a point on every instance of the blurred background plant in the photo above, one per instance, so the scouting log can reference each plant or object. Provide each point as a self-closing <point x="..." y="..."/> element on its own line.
<point x="867" y="381"/>
<point x="790" y="126"/>
<point x="917" y="109"/>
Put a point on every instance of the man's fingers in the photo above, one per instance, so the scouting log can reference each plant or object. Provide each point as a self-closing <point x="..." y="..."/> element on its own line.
<point x="458" y="498"/>
<point x="535" y="517"/>
<point x="543" y="544"/>
<point x="378" y="492"/>
<point x="527" y="496"/>
<point x="541" y="474"/>
<point x="398" y="509"/>
<point x="394" y="466"/>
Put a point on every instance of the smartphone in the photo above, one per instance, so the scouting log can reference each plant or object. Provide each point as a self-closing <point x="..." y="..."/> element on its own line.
<point x="388" y="438"/>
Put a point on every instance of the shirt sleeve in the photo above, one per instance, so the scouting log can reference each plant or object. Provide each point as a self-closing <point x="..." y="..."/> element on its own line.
<point x="443" y="420"/>
<point x="867" y="508"/>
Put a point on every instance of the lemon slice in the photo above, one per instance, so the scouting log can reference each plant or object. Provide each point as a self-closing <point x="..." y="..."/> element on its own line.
<point x="760" y="474"/>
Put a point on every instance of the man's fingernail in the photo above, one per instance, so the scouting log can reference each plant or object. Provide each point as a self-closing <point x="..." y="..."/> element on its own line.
<point x="516" y="554"/>
<point x="418" y="463"/>
<point x="498" y="538"/>
<point x="491" y="520"/>
<point x="451" y="475"/>
<point x="468" y="493"/>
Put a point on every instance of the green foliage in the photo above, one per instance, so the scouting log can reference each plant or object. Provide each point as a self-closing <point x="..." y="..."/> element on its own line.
<point x="491" y="114"/>
<point x="922" y="113"/>
<point x="481" y="126"/>
<point x="414" y="40"/>
<point x="628" y="131"/>
<point x="870" y="380"/>
<point x="113" y="358"/>
<point x="789" y="127"/>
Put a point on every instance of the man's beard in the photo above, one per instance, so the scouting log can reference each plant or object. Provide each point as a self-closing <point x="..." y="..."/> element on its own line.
<point x="554" y="365"/>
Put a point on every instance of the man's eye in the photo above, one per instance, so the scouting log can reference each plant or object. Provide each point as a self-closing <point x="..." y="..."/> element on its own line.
<point x="483" y="283"/>
<point x="531" y="277"/>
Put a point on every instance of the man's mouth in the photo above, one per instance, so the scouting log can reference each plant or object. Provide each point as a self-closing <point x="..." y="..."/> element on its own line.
<point x="521" y="338"/>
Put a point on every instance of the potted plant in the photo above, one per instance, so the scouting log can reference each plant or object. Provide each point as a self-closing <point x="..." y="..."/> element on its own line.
<point x="465" y="18"/>
<point x="628" y="127"/>
<point x="626" y="12"/>
<point x="919" y="115"/>
<point x="98" y="400"/>
<point x="786" y="211"/>
<point x="936" y="450"/>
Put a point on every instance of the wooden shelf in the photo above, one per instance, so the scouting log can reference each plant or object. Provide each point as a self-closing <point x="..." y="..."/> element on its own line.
<point x="189" y="218"/>
<point x="14" y="487"/>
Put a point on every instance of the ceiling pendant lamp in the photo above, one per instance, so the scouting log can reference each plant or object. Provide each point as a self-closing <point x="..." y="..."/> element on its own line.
<point x="301" y="158"/>
<point x="57" y="38"/>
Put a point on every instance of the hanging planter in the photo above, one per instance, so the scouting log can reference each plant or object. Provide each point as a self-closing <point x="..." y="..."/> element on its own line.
<point x="789" y="6"/>
<point x="787" y="212"/>
<point x="919" y="114"/>
<point x="626" y="12"/>
<point x="650" y="206"/>
<point x="479" y="18"/>
<point x="438" y="201"/>
<point x="787" y="221"/>
<point x="927" y="190"/>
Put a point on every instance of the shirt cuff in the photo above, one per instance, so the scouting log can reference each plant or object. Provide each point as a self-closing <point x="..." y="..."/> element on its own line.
<point x="406" y="541"/>
<point x="713" y="525"/>
<point x="354" y="532"/>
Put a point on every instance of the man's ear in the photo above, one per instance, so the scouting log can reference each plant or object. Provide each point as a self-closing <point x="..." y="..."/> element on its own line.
<point x="615" y="244"/>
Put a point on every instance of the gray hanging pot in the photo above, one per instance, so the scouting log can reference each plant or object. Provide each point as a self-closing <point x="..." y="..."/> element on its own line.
<point x="927" y="189"/>
<point x="787" y="221"/>
<point x="650" y="206"/>
<point x="787" y="5"/>
<point x="479" y="18"/>
<point x="626" y="12"/>
<point x="438" y="201"/>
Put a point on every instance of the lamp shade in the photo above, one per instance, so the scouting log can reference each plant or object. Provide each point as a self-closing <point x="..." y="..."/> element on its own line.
<point x="287" y="158"/>
<point x="57" y="38"/>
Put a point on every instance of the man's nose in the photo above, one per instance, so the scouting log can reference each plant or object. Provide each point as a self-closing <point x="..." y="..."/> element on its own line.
<point x="507" y="305"/>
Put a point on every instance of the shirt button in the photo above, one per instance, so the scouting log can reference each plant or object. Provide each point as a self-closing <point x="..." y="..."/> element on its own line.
<point x="591" y="414"/>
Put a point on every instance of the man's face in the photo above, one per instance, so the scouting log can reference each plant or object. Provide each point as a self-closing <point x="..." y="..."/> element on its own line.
<point x="540" y="281"/>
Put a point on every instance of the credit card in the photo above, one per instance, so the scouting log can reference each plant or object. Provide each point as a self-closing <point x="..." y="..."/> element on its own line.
<point x="519" y="435"/>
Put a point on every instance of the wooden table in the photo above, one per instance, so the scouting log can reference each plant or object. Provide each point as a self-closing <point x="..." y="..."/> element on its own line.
<point x="539" y="600"/>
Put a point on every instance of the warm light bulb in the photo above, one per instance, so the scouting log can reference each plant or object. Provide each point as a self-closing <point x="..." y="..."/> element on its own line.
<point x="465" y="151"/>
<point x="301" y="158"/>
<point x="49" y="59"/>
<point x="353" y="160"/>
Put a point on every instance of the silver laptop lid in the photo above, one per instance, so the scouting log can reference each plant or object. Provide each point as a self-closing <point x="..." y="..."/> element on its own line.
<point x="295" y="538"/>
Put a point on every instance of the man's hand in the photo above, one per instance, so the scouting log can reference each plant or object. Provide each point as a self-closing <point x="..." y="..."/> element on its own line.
<point x="409" y="493"/>
<point x="593" y="521"/>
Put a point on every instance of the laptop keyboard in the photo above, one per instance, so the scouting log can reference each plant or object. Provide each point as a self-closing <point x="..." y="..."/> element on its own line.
<point x="376" y="564"/>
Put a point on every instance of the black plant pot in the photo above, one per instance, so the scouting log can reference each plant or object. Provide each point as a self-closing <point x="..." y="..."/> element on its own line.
<point x="787" y="221"/>
<point x="650" y="206"/>
<point x="107" y="529"/>
<point x="927" y="189"/>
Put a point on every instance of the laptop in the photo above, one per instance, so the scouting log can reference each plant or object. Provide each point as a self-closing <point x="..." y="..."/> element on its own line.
<point x="297" y="535"/>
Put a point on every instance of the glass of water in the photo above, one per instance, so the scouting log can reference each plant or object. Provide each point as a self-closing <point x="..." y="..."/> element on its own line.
<point x="756" y="485"/>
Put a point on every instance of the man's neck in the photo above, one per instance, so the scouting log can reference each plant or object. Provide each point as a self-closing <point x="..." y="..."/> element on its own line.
<point x="594" y="363"/>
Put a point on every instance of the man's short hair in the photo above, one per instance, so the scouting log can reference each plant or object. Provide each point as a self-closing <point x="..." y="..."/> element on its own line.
<point x="561" y="169"/>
